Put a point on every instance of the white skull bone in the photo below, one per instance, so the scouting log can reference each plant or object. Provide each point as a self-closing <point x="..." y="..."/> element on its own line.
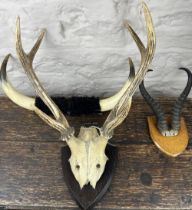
<point x="88" y="157"/>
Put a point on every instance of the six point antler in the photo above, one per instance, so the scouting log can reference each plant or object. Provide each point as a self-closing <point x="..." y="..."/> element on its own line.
<point x="121" y="110"/>
<point x="83" y="147"/>
<point x="60" y="122"/>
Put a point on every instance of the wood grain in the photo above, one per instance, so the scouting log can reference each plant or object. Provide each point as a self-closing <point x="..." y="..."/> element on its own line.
<point x="31" y="176"/>
<point x="170" y="145"/>
<point x="31" y="128"/>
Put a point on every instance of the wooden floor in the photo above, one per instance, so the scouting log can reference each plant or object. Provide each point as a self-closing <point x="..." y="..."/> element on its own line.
<point x="31" y="174"/>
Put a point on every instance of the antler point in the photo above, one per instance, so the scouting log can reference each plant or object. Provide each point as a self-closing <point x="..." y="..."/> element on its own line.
<point x="43" y="31"/>
<point x="130" y="61"/>
<point x="18" y="19"/>
<point x="126" y="23"/>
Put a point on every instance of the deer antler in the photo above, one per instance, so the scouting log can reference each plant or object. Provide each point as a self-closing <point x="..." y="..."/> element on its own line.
<point x="88" y="158"/>
<point x="27" y="62"/>
<point x="121" y="110"/>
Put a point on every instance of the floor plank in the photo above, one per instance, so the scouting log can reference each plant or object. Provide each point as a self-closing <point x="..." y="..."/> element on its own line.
<point x="31" y="172"/>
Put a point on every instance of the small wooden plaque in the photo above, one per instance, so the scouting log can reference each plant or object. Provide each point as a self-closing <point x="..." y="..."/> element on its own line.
<point x="173" y="145"/>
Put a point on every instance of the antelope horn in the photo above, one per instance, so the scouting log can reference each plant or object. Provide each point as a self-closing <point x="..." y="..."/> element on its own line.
<point x="16" y="97"/>
<point x="157" y="109"/>
<point x="121" y="110"/>
<point x="31" y="103"/>
<point x="109" y="103"/>
<point x="177" y="108"/>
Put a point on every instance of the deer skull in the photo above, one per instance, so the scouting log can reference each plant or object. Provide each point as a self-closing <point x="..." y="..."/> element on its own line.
<point x="85" y="165"/>
<point x="88" y="158"/>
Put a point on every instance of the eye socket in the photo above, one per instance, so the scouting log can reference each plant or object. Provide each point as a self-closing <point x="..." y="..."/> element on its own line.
<point x="77" y="166"/>
<point x="98" y="165"/>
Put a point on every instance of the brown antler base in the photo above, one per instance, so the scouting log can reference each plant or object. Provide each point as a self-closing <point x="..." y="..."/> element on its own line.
<point x="87" y="197"/>
<point x="170" y="145"/>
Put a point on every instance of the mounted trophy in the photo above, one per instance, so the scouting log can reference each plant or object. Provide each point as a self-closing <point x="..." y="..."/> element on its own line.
<point x="88" y="159"/>
<point x="169" y="133"/>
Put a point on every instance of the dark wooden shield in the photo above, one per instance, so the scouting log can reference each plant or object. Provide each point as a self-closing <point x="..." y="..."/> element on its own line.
<point x="87" y="197"/>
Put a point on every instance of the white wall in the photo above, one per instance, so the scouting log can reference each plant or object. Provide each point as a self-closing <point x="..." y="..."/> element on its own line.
<point x="86" y="48"/>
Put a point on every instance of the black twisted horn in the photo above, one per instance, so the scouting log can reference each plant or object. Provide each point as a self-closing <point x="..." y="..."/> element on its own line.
<point x="177" y="108"/>
<point x="157" y="110"/>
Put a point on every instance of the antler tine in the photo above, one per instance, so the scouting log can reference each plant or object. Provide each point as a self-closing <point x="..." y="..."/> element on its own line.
<point x="19" y="46"/>
<point x="137" y="40"/>
<point x="121" y="110"/>
<point x="26" y="61"/>
<point x="132" y="70"/>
